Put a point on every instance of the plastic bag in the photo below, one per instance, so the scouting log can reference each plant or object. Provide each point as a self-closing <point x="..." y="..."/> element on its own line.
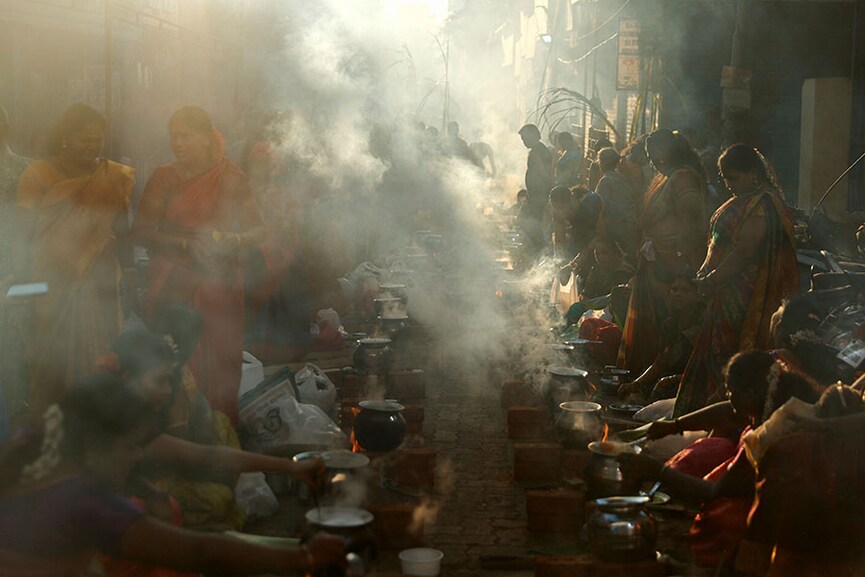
<point x="254" y="496"/>
<point x="252" y="373"/>
<point x="564" y="295"/>
<point x="316" y="388"/>
<point x="270" y="416"/>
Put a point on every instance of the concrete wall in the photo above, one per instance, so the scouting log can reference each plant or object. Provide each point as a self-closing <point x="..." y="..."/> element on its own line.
<point x="825" y="141"/>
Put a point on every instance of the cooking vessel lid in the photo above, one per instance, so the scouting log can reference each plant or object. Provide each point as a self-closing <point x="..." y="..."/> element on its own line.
<point x="638" y="500"/>
<point x="375" y="341"/>
<point x="339" y="517"/>
<point x="386" y="406"/>
<point x="567" y="372"/>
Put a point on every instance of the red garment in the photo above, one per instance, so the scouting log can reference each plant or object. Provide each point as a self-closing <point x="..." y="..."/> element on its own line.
<point x="608" y="333"/>
<point x="703" y="456"/>
<point x="217" y="201"/>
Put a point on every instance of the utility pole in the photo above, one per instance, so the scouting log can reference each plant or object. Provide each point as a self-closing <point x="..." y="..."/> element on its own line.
<point x="109" y="59"/>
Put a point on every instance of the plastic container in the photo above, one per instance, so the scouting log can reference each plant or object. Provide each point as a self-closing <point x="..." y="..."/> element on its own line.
<point x="421" y="561"/>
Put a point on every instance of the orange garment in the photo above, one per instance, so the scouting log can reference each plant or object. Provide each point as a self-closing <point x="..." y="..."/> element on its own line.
<point x="200" y="208"/>
<point x="75" y="252"/>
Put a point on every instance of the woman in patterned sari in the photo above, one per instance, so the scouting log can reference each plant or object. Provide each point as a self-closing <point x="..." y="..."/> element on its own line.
<point x="673" y="226"/>
<point x="749" y="269"/>
<point x="196" y="218"/>
<point x="78" y="203"/>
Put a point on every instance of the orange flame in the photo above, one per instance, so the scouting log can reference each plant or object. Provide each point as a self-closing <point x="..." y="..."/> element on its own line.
<point x="606" y="433"/>
<point x="355" y="446"/>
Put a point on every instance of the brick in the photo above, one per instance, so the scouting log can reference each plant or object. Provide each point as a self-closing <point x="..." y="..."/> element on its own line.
<point x="407" y="385"/>
<point x="574" y="463"/>
<point x="353" y="386"/>
<point x="516" y="393"/>
<point x="392" y="526"/>
<point x="570" y="566"/>
<point x="555" y="511"/>
<point x="414" y="417"/>
<point x="528" y="422"/>
<point x="651" y="568"/>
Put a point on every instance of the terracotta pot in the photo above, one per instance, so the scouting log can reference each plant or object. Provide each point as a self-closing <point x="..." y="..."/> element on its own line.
<point x="379" y="426"/>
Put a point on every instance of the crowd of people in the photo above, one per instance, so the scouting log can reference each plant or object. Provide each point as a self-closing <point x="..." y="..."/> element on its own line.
<point x="717" y="336"/>
<point x="135" y="442"/>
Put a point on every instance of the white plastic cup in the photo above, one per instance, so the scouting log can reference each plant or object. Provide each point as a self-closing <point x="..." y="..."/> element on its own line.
<point x="421" y="561"/>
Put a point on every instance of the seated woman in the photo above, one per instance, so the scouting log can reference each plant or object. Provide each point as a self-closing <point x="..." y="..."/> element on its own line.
<point x="200" y="476"/>
<point x="807" y="516"/>
<point x="678" y="333"/>
<point x="756" y="385"/>
<point x="206" y="497"/>
<point x="59" y="503"/>
<point x="608" y="270"/>
<point x="796" y="330"/>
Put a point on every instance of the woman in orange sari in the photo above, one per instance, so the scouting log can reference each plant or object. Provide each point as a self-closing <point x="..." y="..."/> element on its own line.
<point x="673" y="225"/>
<point x="196" y="218"/>
<point x="78" y="204"/>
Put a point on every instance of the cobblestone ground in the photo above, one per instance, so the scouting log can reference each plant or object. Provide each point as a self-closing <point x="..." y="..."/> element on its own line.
<point x="482" y="510"/>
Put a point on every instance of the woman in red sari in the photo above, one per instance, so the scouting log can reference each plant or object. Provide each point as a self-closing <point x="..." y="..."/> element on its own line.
<point x="78" y="204"/>
<point x="196" y="217"/>
<point x="749" y="269"/>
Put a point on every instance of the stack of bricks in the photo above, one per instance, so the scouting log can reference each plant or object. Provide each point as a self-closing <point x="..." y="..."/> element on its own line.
<point x="413" y="467"/>
<point x="559" y="511"/>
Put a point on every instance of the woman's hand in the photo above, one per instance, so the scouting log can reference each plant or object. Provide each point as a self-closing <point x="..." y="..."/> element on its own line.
<point x="628" y="389"/>
<point x="639" y="467"/>
<point x="309" y="471"/>
<point x="325" y="550"/>
<point x="662" y="428"/>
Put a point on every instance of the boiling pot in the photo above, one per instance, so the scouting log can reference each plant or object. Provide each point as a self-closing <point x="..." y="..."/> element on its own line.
<point x="603" y="472"/>
<point x="379" y="427"/>
<point x="373" y="356"/>
<point x="350" y="523"/>
<point x="578" y="423"/>
<point x="565" y="384"/>
<point x="621" y="530"/>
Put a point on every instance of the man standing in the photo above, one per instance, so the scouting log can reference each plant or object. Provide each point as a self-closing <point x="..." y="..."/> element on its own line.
<point x="539" y="181"/>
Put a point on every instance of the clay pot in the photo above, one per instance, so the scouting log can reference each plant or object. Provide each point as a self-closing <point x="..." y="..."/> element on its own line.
<point x="379" y="426"/>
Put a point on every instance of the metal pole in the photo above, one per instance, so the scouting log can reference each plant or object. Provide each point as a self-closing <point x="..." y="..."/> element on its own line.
<point x="109" y="58"/>
<point x="856" y="196"/>
<point x="446" y="106"/>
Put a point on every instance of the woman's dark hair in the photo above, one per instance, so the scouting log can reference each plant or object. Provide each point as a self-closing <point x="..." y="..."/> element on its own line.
<point x="686" y="275"/>
<point x="637" y="145"/>
<point x="140" y="350"/>
<point x="194" y="117"/>
<point x="744" y="158"/>
<point x="839" y="401"/>
<point x="96" y="413"/>
<point x="676" y="149"/>
<point x="183" y="323"/>
<point x="73" y="120"/>
<point x="608" y="158"/>
<point x="796" y="324"/>
<point x="749" y="371"/>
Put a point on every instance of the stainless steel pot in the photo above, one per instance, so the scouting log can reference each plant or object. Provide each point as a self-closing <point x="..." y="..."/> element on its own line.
<point x="373" y="356"/>
<point x="578" y="423"/>
<point x="603" y="473"/>
<point x="621" y="530"/>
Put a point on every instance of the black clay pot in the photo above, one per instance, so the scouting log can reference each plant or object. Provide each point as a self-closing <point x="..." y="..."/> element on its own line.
<point x="379" y="426"/>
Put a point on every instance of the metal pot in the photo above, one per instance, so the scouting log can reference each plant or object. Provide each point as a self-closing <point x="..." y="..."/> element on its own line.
<point x="565" y="384"/>
<point x="373" y="356"/>
<point x="379" y="427"/>
<point x="603" y="473"/>
<point x="578" y="423"/>
<point x="621" y="530"/>
<point x="351" y="524"/>
<point x="393" y="326"/>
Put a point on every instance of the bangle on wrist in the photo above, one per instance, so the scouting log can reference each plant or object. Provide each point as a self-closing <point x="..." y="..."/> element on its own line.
<point x="310" y="558"/>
